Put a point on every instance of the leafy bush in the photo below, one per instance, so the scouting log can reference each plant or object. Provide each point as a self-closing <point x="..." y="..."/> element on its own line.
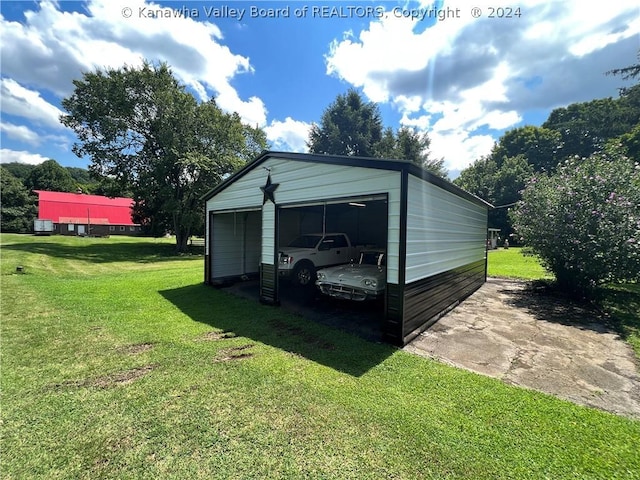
<point x="584" y="221"/>
<point x="17" y="208"/>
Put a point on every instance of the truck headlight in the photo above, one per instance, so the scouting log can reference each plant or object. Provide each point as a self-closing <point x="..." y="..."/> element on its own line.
<point x="370" y="282"/>
<point x="286" y="260"/>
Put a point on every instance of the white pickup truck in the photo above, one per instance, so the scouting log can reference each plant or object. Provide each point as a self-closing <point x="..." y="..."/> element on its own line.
<point x="303" y="256"/>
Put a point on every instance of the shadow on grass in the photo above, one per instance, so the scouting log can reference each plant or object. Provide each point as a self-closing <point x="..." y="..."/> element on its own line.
<point x="273" y="326"/>
<point x="622" y="304"/>
<point x="103" y="250"/>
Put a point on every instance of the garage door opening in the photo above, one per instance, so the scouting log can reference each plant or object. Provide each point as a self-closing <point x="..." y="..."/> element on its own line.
<point x="237" y="240"/>
<point x="363" y="220"/>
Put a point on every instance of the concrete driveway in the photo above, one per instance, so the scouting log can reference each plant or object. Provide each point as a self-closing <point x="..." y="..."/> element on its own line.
<point x="508" y="331"/>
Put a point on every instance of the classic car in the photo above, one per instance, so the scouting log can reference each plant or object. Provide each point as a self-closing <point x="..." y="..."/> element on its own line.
<point x="365" y="280"/>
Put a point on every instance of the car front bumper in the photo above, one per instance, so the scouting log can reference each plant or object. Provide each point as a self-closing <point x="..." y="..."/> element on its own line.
<point x="348" y="293"/>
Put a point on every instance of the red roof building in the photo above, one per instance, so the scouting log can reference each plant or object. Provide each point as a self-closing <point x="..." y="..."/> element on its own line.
<point x="80" y="214"/>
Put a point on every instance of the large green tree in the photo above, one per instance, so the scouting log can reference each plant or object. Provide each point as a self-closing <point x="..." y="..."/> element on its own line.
<point x="351" y="126"/>
<point x="51" y="176"/>
<point x="18" y="207"/>
<point x="586" y="127"/>
<point x="410" y="144"/>
<point x="19" y="170"/>
<point x="143" y="130"/>
<point x="539" y="146"/>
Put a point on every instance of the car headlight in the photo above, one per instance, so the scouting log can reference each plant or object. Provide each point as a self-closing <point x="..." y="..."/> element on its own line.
<point x="370" y="282"/>
<point x="321" y="276"/>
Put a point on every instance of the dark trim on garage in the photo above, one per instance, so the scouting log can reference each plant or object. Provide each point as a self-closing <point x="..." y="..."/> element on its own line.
<point x="402" y="248"/>
<point x="427" y="299"/>
<point x="269" y="284"/>
<point x="208" y="253"/>
<point x="394" y="301"/>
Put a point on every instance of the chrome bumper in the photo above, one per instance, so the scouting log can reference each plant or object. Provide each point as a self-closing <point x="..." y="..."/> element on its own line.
<point x="347" y="293"/>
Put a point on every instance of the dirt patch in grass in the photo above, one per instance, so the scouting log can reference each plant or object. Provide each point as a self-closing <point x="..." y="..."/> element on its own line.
<point x="216" y="335"/>
<point x="136" y="348"/>
<point x="233" y="353"/>
<point x="299" y="332"/>
<point x="112" y="380"/>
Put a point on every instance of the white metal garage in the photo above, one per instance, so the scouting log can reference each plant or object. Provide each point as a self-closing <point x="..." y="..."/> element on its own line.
<point x="435" y="233"/>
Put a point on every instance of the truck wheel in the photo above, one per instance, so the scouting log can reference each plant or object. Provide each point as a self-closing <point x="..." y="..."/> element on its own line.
<point x="304" y="274"/>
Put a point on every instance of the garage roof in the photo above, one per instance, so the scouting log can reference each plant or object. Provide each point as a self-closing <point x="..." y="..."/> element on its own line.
<point x="366" y="162"/>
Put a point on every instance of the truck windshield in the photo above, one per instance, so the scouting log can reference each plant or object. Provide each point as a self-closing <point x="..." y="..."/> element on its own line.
<point x="306" y="241"/>
<point x="372" y="258"/>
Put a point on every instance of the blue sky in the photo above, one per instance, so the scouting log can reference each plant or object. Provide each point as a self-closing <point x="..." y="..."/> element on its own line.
<point x="463" y="79"/>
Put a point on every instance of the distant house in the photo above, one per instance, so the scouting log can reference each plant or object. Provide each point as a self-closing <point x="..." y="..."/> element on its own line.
<point x="84" y="215"/>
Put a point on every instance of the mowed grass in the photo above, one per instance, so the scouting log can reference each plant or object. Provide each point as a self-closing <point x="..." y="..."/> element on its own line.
<point x="117" y="362"/>
<point x="512" y="263"/>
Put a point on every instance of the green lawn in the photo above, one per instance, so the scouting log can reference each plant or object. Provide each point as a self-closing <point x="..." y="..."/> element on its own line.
<point x="117" y="362"/>
<point x="511" y="263"/>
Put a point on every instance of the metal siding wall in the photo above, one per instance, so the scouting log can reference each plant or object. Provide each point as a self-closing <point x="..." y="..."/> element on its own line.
<point x="444" y="231"/>
<point x="393" y="325"/>
<point x="268" y="233"/>
<point x="244" y="193"/>
<point x="269" y="284"/>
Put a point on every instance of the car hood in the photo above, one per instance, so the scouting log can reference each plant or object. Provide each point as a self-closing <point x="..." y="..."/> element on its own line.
<point x="353" y="273"/>
<point x="295" y="251"/>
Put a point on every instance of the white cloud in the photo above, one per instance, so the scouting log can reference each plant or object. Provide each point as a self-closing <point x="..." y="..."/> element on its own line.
<point x="290" y="135"/>
<point x="9" y="156"/>
<point x="458" y="146"/>
<point x="22" y="102"/>
<point x="52" y="47"/>
<point x="20" y="133"/>
<point x="463" y="80"/>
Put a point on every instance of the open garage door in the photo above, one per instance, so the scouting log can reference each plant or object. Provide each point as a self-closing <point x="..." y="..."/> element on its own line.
<point x="363" y="219"/>
<point x="236" y="240"/>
